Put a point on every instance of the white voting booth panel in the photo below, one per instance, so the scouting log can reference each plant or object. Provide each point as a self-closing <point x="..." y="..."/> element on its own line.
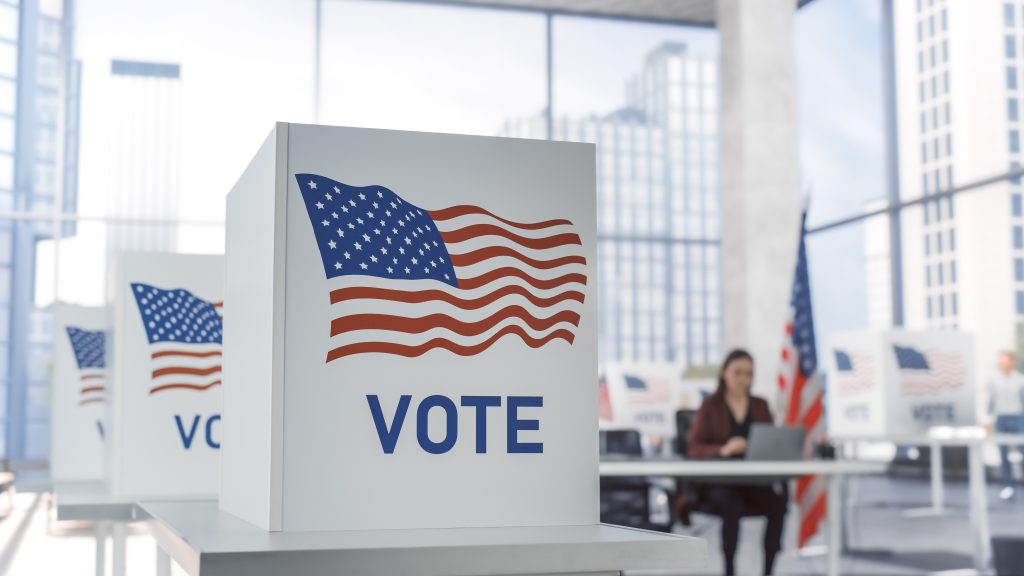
<point x="646" y="396"/>
<point x="78" y="393"/>
<point x="165" y="431"/>
<point x="898" y="383"/>
<point x="419" y="343"/>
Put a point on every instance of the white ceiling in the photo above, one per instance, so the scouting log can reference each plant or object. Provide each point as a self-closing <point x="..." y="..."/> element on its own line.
<point x="689" y="12"/>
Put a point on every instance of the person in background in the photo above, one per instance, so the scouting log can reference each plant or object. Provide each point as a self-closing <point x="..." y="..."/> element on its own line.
<point x="1006" y="405"/>
<point x="720" y="430"/>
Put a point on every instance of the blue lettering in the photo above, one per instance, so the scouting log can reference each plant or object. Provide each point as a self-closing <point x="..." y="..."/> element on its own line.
<point x="388" y="435"/>
<point x="515" y="425"/>
<point x="452" y="421"/>
<point x="209" y="431"/>
<point x="186" y="439"/>
<point x="481" y="403"/>
<point x="99" y="426"/>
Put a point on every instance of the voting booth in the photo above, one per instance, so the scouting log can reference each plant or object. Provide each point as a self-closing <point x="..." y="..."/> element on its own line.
<point x="646" y="396"/>
<point x="79" y="389"/>
<point x="165" y="431"/>
<point x="418" y="342"/>
<point x="898" y="384"/>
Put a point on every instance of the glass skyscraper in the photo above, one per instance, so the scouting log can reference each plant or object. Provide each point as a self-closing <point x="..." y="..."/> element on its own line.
<point x="39" y="96"/>
<point x="658" y="210"/>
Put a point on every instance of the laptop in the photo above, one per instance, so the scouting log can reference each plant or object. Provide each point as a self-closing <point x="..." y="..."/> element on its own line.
<point x="773" y="443"/>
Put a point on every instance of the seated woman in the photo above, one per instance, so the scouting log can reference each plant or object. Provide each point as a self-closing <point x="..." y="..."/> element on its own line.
<point x="720" y="430"/>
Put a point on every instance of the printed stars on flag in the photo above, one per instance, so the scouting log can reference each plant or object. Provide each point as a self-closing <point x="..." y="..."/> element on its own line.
<point x="312" y="185"/>
<point x="373" y="212"/>
<point x="337" y="265"/>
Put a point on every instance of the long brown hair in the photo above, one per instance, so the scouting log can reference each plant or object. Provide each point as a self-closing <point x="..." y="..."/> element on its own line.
<point x="734" y="355"/>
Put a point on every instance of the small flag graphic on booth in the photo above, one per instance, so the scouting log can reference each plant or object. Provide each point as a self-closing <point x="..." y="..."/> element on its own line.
<point x="184" y="334"/>
<point x="646" y="391"/>
<point x="89" y="347"/>
<point x="855" y="371"/>
<point x="929" y="371"/>
<point x="403" y="280"/>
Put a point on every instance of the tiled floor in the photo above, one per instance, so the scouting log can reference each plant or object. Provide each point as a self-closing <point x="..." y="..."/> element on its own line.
<point x="887" y="541"/>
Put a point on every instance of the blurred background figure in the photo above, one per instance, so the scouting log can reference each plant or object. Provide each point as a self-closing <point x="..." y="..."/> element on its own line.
<point x="721" y="430"/>
<point x="1006" y="405"/>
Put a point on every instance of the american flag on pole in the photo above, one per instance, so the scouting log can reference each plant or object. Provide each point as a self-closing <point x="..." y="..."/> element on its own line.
<point x="801" y="390"/>
<point x="404" y="280"/>
<point x="184" y="335"/>
<point x="924" y="372"/>
<point x="89" y="348"/>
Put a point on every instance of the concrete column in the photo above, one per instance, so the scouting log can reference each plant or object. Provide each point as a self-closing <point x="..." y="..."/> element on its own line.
<point x="760" y="176"/>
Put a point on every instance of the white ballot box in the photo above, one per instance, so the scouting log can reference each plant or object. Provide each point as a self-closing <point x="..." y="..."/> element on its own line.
<point x="414" y="342"/>
<point x="79" y="389"/>
<point x="897" y="383"/>
<point x="166" y="367"/>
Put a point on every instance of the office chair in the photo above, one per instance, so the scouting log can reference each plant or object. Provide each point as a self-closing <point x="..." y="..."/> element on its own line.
<point x="694" y="504"/>
<point x="626" y="501"/>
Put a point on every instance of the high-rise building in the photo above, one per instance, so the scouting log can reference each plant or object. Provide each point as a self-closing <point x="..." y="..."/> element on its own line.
<point x="958" y="90"/>
<point x="877" y="268"/>
<point x="145" y="155"/>
<point x="658" y="211"/>
<point x="39" y="99"/>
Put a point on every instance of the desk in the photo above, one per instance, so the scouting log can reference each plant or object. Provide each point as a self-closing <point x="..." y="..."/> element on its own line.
<point x="833" y="469"/>
<point x="207" y="542"/>
<point x="974" y="439"/>
<point x="91" y="501"/>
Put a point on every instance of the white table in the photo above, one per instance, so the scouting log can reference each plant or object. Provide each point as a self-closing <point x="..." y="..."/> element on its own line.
<point x="92" y="501"/>
<point x="974" y="439"/>
<point x="207" y="542"/>
<point x="833" y="469"/>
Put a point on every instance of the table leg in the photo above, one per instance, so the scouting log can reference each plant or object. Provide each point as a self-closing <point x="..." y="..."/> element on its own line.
<point x="163" y="562"/>
<point x="118" y="552"/>
<point x="938" y="486"/>
<point x="834" y="513"/>
<point x="979" y="505"/>
<point x="102" y="531"/>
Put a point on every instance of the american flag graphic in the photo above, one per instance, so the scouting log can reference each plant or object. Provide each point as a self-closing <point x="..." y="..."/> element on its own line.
<point x="184" y="335"/>
<point x="404" y="280"/>
<point x="646" y="390"/>
<point x="89" y="347"/>
<point x="604" y="400"/>
<point x="855" y="371"/>
<point x="926" y="372"/>
<point x="801" y="390"/>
